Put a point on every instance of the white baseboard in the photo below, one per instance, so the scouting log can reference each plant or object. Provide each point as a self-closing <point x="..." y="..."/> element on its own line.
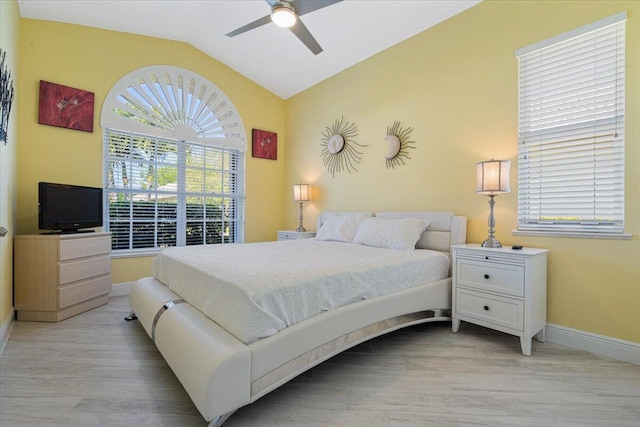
<point x="614" y="348"/>
<point x="120" y="289"/>
<point x="5" y="329"/>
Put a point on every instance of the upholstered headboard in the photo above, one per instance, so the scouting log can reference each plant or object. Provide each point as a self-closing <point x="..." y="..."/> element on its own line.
<point x="445" y="228"/>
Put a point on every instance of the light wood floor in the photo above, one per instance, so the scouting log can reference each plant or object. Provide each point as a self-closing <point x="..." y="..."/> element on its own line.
<point x="95" y="369"/>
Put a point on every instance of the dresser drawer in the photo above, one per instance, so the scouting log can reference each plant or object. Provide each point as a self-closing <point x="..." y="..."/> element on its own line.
<point x="506" y="312"/>
<point x="83" y="291"/>
<point x="500" y="278"/>
<point x="72" y="271"/>
<point x="85" y="247"/>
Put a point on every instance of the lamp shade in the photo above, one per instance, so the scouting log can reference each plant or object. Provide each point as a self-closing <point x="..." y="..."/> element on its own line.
<point x="492" y="177"/>
<point x="301" y="192"/>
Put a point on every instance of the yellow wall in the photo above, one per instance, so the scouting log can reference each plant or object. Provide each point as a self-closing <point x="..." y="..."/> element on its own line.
<point x="456" y="86"/>
<point x="94" y="60"/>
<point x="9" y="28"/>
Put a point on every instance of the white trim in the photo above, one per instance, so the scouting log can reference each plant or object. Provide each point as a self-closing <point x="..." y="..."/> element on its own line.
<point x="583" y="235"/>
<point x="135" y="253"/>
<point x="121" y="289"/>
<point x="6" y="328"/>
<point x="614" y="348"/>
<point x="572" y="33"/>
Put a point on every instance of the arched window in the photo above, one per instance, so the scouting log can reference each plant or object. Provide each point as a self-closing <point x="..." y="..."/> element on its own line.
<point x="174" y="157"/>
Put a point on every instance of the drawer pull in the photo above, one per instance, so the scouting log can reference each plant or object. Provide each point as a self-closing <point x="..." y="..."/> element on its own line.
<point x="486" y="276"/>
<point x="486" y="308"/>
<point x="486" y="257"/>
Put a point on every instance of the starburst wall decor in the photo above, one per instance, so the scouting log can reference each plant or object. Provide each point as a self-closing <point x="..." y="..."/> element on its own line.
<point x="399" y="145"/>
<point x="339" y="147"/>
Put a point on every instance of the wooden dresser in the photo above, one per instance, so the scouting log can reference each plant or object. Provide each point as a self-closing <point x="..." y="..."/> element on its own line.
<point x="57" y="276"/>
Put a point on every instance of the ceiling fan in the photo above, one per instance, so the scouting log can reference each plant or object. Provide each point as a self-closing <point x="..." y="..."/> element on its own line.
<point x="287" y="14"/>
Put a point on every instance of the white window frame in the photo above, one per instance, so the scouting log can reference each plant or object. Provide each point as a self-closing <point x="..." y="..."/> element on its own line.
<point x="176" y="107"/>
<point x="571" y="133"/>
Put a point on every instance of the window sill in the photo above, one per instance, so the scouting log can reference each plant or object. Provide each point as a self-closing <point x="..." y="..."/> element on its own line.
<point x="575" y="234"/>
<point x="136" y="253"/>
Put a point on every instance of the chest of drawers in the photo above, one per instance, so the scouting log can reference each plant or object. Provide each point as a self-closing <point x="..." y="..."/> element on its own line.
<point x="502" y="289"/>
<point x="60" y="275"/>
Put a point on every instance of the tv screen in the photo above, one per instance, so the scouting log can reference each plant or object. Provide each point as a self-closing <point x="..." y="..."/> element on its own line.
<point x="68" y="208"/>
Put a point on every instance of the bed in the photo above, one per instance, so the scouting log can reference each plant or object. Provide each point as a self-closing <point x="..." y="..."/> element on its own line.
<point x="231" y="343"/>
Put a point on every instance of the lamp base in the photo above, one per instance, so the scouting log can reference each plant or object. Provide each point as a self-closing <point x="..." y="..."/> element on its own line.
<point x="491" y="242"/>
<point x="300" y="226"/>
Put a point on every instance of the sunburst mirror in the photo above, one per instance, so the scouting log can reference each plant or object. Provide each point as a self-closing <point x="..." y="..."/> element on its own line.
<point x="339" y="147"/>
<point x="399" y="145"/>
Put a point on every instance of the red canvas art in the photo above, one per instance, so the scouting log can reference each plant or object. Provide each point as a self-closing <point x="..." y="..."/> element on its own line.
<point x="65" y="107"/>
<point x="265" y="144"/>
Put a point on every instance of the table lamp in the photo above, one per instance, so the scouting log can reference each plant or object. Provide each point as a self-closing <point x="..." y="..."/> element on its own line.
<point x="492" y="178"/>
<point x="301" y="194"/>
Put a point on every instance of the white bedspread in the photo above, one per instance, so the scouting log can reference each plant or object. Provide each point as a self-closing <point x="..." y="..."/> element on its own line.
<point x="254" y="290"/>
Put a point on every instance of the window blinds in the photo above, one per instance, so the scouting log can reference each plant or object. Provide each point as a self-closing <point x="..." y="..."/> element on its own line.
<point x="571" y="131"/>
<point x="161" y="192"/>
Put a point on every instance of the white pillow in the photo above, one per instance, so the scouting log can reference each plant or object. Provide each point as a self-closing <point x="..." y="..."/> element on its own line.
<point x="391" y="233"/>
<point x="341" y="227"/>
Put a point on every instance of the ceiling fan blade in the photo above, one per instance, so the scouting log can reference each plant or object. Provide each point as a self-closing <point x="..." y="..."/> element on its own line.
<point x="255" y="24"/>
<point x="301" y="31"/>
<point x="305" y="6"/>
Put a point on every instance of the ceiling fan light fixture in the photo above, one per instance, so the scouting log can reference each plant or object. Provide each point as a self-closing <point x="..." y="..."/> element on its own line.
<point x="284" y="15"/>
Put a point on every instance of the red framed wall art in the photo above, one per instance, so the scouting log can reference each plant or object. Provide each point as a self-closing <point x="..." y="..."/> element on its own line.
<point x="66" y="107"/>
<point x="264" y="144"/>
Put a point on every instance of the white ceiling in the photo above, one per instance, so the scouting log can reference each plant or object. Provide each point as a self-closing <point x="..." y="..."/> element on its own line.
<point x="349" y="31"/>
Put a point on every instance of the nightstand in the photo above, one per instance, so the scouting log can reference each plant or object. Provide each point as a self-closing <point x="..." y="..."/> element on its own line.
<point x="295" y="235"/>
<point x="501" y="289"/>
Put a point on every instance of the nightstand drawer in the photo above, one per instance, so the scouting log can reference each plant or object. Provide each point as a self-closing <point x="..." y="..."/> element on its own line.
<point x="493" y="257"/>
<point x="506" y="312"/>
<point x="286" y="235"/>
<point x="486" y="276"/>
<point x="295" y="235"/>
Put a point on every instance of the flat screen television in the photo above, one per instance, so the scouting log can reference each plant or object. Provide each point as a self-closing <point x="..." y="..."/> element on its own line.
<point x="68" y="208"/>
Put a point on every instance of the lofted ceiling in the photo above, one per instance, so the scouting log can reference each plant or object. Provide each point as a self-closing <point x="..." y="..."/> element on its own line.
<point x="349" y="31"/>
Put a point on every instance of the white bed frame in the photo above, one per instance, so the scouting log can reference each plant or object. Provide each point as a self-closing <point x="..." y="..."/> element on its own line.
<point x="221" y="374"/>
